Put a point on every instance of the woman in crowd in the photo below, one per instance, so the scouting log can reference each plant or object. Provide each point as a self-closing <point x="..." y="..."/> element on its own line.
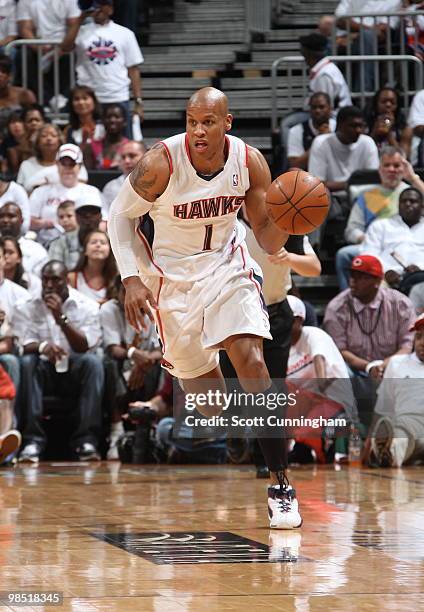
<point x="386" y="122"/>
<point x="14" y="270"/>
<point x="42" y="168"/>
<point x="96" y="270"/>
<point x="14" y="135"/>
<point x="12" y="98"/>
<point x="33" y="118"/>
<point x="104" y="154"/>
<point x="84" y="118"/>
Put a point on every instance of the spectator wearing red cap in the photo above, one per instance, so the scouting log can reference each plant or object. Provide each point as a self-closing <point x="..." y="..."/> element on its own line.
<point x="397" y="435"/>
<point x="369" y="323"/>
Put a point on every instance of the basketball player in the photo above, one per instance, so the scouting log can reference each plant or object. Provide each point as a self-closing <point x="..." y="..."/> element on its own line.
<point x="198" y="279"/>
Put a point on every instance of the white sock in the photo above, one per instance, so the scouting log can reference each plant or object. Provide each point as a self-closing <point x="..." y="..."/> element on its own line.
<point x="116" y="430"/>
<point x="399" y="448"/>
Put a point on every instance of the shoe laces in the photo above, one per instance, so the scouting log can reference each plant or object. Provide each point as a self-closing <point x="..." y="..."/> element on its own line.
<point x="284" y="498"/>
<point x="283" y="481"/>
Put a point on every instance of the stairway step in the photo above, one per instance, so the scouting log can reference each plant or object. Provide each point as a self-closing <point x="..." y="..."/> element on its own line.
<point x="328" y="281"/>
<point x="177" y="83"/>
<point x="182" y="38"/>
<point x="213" y="27"/>
<point x="194" y="50"/>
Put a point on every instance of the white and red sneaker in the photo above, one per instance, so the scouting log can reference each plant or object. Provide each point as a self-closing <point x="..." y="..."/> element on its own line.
<point x="283" y="509"/>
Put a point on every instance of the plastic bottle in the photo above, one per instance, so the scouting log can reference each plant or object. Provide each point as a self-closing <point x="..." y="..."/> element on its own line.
<point x="355" y="447"/>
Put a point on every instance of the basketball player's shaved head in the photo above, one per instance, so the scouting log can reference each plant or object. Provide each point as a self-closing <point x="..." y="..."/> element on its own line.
<point x="212" y="98"/>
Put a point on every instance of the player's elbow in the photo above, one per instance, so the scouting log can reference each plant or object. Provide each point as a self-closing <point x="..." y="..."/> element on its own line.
<point x="315" y="268"/>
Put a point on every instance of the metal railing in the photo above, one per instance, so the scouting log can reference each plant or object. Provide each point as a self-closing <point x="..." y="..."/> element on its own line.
<point x="401" y="36"/>
<point x="291" y="60"/>
<point x="44" y="61"/>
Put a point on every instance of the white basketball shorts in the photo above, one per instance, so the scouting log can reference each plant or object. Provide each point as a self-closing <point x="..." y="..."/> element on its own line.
<point x="195" y="317"/>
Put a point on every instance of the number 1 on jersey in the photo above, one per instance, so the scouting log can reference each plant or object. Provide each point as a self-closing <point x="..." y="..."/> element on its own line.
<point x="208" y="238"/>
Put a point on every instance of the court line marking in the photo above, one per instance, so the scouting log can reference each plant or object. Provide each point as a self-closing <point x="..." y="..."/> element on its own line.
<point x="388" y="477"/>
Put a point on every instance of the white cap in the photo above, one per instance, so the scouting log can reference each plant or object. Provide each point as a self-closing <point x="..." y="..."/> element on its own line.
<point x="91" y="198"/>
<point x="71" y="151"/>
<point x="297" y="306"/>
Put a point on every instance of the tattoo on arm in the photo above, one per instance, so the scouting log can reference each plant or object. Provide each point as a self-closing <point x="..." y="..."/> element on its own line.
<point x="140" y="182"/>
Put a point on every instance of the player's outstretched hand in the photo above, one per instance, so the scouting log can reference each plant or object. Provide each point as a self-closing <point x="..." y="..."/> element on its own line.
<point x="139" y="301"/>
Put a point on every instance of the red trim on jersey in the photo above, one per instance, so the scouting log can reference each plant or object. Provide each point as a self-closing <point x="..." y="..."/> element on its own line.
<point x="187" y="148"/>
<point x="247" y="155"/>
<point x="148" y="249"/>
<point x="168" y="153"/>
<point x="160" y="325"/>
<point x="257" y="285"/>
<point x="228" y="145"/>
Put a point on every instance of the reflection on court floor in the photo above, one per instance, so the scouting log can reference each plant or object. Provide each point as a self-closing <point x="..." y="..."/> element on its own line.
<point x="113" y="537"/>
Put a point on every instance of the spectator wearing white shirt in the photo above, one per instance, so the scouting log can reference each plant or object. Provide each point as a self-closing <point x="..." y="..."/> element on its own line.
<point x="130" y="154"/>
<point x="45" y="200"/>
<point x="334" y="157"/>
<point x="12" y="192"/>
<point x="371" y="31"/>
<point x="95" y="272"/>
<point x="57" y="21"/>
<point x="11" y="223"/>
<point x="59" y="356"/>
<point x="319" y="368"/>
<point x="324" y="75"/>
<point x="14" y="270"/>
<point x="397" y="435"/>
<point x="416" y="123"/>
<point x="42" y="168"/>
<point x="12" y="296"/>
<point x="108" y="58"/>
<point x="381" y="202"/>
<point x="398" y="242"/>
<point x="8" y="25"/>
<point x="301" y="136"/>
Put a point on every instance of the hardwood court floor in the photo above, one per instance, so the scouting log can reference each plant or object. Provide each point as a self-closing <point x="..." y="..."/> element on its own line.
<point x="361" y="546"/>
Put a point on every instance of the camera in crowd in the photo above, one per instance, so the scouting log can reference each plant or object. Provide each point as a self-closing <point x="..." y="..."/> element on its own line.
<point x="138" y="446"/>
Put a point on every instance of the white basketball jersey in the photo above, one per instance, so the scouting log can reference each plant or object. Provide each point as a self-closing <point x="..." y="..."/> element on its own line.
<point x="195" y="220"/>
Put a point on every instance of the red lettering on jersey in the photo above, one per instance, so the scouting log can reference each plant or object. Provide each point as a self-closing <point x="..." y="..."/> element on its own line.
<point x="180" y="211"/>
<point x="239" y="201"/>
<point x="195" y="211"/>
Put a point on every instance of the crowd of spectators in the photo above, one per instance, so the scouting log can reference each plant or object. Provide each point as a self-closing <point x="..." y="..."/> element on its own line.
<point x="62" y="324"/>
<point x="370" y="159"/>
<point x="63" y="331"/>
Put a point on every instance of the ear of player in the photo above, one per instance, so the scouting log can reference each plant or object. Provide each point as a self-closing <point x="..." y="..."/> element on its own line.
<point x="297" y="202"/>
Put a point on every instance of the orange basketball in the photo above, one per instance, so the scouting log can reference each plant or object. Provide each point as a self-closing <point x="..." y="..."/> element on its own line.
<point x="297" y="202"/>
